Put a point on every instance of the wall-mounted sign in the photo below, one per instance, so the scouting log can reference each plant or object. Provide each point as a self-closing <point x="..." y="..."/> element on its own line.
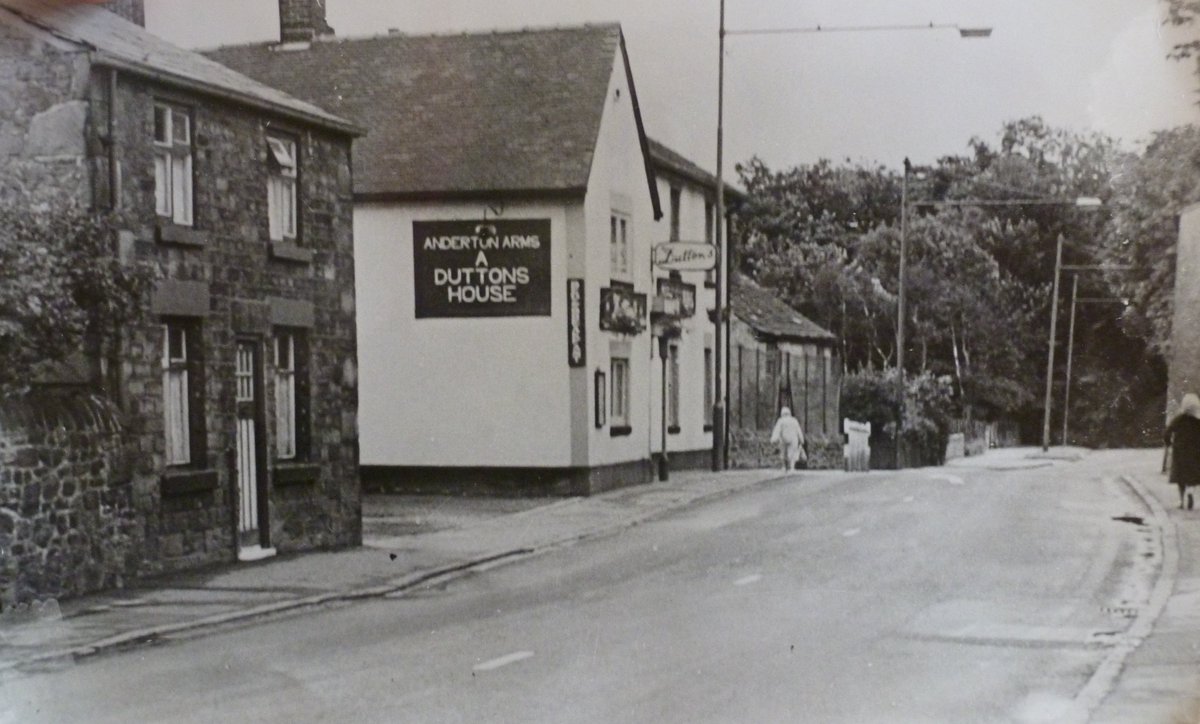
<point x="685" y="256"/>
<point x="675" y="289"/>
<point x="622" y="310"/>
<point x="487" y="268"/>
<point x="576" y="324"/>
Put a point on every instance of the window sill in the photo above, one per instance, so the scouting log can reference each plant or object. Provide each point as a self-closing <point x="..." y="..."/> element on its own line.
<point x="620" y="430"/>
<point x="290" y="251"/>
<point x="292" y="473"/>
<point x="673" y="429"/>
<point x="171" y="233"/>
<point x="178" y="482"/>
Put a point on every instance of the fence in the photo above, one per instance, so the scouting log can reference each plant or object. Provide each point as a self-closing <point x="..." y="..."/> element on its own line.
<point x="762" y="380"/>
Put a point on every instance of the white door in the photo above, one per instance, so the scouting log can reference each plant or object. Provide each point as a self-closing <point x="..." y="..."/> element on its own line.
<point x="251" y="530"/>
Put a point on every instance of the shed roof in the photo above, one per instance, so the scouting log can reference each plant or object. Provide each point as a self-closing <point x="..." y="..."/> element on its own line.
<point x="116" y="42"/>
<point x="460" y="115"/>
<point x="763" y="312"/>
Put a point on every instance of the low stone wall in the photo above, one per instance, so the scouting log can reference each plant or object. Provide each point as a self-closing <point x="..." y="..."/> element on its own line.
<point x="67" y="515"/>
<point x="754" y="449"/>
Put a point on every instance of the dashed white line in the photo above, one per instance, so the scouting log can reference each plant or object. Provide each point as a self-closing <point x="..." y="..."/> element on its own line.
<point x="952" y="479"/>
<point x="503" y="661"/>
<point x="753" y="578"/>
<point x="851" y="532"/>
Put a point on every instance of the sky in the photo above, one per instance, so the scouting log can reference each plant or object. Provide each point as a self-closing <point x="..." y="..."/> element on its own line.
<point x="867" y="96"/>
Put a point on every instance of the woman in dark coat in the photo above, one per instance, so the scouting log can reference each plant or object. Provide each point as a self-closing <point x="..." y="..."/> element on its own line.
<point x="1183" y="438"/>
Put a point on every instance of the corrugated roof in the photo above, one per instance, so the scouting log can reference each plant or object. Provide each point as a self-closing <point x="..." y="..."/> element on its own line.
<point x="666" y="159"/>
<point x="766" y="314"/>
<point x="117" y="42"/>
<point x="454" y="115"/>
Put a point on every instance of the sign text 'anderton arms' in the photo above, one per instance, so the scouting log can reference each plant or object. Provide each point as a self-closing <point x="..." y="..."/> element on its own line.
<point x="487" y="268"/>
<point x="685" y="256"/>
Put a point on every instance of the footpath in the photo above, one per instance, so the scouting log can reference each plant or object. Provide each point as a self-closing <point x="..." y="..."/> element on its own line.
<point x="410" y="542"/>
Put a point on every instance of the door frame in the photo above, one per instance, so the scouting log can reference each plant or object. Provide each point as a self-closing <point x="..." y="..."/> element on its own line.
<point x="258" y="412"/>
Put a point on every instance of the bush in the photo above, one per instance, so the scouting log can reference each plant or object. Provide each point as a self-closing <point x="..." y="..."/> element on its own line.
<point x="62" y="289"/>
<point x="871" y="396"/>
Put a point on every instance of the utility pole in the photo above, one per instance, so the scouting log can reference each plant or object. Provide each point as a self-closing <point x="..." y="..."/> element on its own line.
<point x="1050" y="353"/>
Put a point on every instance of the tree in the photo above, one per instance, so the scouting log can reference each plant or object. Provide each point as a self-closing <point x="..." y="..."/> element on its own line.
<point x="62" y="290"/>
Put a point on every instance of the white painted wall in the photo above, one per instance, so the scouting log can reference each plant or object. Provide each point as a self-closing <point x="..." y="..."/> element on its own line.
<point x="488" y="392"/>
<point x="618" y="180"/>
<point x="698" y="331"/>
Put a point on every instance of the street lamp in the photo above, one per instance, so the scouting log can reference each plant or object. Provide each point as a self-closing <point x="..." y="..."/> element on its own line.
<point x="720" y="428"/>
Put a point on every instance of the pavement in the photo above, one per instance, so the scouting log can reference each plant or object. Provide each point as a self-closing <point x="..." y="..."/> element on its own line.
<point x="411" y="541"/>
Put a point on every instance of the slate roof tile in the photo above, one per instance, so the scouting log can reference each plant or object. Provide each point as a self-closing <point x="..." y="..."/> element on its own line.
<point x="119" y="42"/>
<point x="766" y="314"/>
<point x="512" y="111"/>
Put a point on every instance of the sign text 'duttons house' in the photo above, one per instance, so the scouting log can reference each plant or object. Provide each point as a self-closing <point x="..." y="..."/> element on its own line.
<point x="492" y="268"/>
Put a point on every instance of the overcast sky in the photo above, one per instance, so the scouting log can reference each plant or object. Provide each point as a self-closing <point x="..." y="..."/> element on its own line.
<point x="792" y="99"/>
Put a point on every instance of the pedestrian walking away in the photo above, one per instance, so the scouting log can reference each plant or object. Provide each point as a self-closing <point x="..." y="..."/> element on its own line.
<point x="789" y="436"/>
<point x="1182" y="439"/>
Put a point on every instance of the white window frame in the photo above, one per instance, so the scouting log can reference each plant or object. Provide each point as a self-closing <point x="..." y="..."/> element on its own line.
<point x="173" y="163"/>
<point x="708" y="386"/>
<point x="619" y="250"/>
<point x="285" y="395"/>
<point x="281" y="187"/>
<point x="176" y="419"/>
<point x="618" y="408"/>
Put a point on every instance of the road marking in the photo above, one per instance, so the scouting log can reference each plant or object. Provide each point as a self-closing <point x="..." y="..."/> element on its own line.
<point x="753" y="578"/>
<point x="952" y="479"/>
<point x="503" y="661"/>
<point x="852" y="532"/>
<point x="909" y="499"/>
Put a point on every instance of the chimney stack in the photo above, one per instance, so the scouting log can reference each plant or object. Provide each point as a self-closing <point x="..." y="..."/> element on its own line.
<point x="132" y="10"/>
<point x="302" y="20"/>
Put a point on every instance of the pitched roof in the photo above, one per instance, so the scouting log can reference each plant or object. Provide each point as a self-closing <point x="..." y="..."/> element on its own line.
<point x="766" y="314"/>
<point x="459" y="115"/>
<point x="118" y="43"/>
<point x="665" y="159"/>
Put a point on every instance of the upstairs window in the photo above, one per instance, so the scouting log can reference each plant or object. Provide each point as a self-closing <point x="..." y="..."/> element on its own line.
<point x="675" y="201"/>
<point x="619" y="245"/>
<point x="282" y="164"/>
<point x="173" y="163"/>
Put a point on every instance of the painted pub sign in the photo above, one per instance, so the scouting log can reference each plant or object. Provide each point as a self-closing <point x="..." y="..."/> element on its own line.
<point x="485" y="268"/>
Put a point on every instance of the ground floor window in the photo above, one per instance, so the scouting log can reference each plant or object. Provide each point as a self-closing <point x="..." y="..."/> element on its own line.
<point x="291" y="394"/>
<point x="183" y="401"/>
<point x="708" y="387"/>
<point x="619" y="408"/>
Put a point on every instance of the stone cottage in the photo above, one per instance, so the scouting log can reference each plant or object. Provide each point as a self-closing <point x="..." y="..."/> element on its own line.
<point x="224" y="428"/>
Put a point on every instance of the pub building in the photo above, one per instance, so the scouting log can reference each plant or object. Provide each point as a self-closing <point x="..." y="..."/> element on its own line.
<point x="505" y="210"/>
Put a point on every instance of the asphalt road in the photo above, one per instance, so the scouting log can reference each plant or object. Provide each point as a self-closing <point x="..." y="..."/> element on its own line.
<point x="932" y="595"/>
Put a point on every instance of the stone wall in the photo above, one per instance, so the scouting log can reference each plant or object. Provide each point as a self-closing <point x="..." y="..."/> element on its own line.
<point x="43" y="114"/>
<point x="68" y="514"/>
<point x="313" y="501"/>
<point x="56" y="151"/>
<point x="754" y="449"/>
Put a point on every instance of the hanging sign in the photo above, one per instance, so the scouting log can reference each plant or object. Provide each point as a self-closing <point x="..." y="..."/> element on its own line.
<point x="486" y="268"/>
<point x="684" y="293"/>
<point x="576" y="341"/>
<point x="685" y="256"/>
